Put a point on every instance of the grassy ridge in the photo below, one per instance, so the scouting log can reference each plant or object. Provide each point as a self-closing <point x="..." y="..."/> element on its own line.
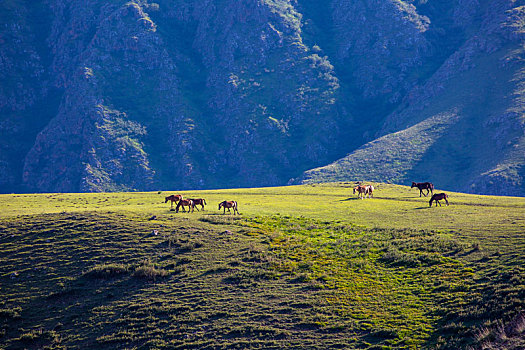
<point x="304" y="266"/>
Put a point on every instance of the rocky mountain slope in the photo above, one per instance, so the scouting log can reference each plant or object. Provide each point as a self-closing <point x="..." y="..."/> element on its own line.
<point x="142" y="95"/>
<point x="463" y="127"/>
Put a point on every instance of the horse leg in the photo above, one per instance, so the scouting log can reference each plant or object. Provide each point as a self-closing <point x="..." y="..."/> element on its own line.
<point x="446" y="201"/>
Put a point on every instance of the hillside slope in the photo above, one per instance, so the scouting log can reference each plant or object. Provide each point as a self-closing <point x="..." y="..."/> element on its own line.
<point x="463" y="128"/>
<point x="137" y="95"/>
<point x="301" y="267"/>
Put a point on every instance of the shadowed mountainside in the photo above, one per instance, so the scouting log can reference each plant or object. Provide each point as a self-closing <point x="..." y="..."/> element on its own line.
<point x="138" y="95"/>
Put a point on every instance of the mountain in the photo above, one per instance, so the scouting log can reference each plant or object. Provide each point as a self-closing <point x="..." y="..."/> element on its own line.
<point x="463" y="127"/>
<point x="141" y="95"/>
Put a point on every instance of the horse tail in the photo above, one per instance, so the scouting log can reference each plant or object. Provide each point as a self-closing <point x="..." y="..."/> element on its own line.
<point x="204" y="200"/>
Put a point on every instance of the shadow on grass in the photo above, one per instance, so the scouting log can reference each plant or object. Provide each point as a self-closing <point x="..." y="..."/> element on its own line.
<point x="349" y="199"/>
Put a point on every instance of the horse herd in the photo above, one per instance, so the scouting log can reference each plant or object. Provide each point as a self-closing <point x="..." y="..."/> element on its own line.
<point x="192" y="203"/>
<point x="363" y="191"/>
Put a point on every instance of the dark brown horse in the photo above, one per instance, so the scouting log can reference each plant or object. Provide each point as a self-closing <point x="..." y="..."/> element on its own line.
<point x="174" y="198"/>
<point x="228" y="205"/>
<point x="423" y="186"/>
<point x="437" y="197"/>
<point x="199" y="201"/>
<point x="185" y="202"/>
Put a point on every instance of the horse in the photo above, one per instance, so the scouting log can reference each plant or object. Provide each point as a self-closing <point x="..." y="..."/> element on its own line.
<point x="199" y="201"/>
<point x="360" y="191"/>
<point x="423" y="186"/>
<point x="437" y="197"/>
<point x="174" y="198"/>
<point x="229" y="204"/>
<point x="185" y="202"/>
<point x="363" y="191"/>
<point x="369" y="191"/>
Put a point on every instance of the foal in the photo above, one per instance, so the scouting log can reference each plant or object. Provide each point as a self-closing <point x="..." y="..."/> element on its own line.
<point x="437" y="197"/>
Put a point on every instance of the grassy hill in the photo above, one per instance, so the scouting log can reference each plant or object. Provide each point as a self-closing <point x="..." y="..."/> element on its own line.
<point x="302" y="267"/>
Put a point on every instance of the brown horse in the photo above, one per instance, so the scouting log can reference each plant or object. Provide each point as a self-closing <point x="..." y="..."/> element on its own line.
<point x="423" y="186"/>
<point x="437" y="197"/>
<point x="199" y="201"/>
<point x="228" y="205"/>
<point x="363" y="191"/>
<point x="174" y="198"/>
<point x="185" y="202"/>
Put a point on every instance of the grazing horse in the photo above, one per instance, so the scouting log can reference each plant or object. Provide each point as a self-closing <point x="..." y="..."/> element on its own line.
<point x="228" y="205"/>
<point x="199" y="201"/>
<point x="369" y="191"/>
<point x="363" y="191"/>
<point x="174" y="198"/>
<point x="423" y="186"/>
<point x="185" y="202"/>
<point x="437" y="197"/>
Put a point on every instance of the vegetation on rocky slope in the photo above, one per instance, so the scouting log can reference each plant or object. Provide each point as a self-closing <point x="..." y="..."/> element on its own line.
<point x="139" y="95"/>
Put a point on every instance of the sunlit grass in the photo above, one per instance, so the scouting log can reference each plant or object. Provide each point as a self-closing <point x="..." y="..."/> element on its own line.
<point x="302" y="266"/>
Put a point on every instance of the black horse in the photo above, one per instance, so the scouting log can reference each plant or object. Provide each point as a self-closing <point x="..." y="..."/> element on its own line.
<point x="423" y="186"/>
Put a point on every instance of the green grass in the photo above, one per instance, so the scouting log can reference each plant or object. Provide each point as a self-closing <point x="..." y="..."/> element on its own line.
<point x="302" y="267"/>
